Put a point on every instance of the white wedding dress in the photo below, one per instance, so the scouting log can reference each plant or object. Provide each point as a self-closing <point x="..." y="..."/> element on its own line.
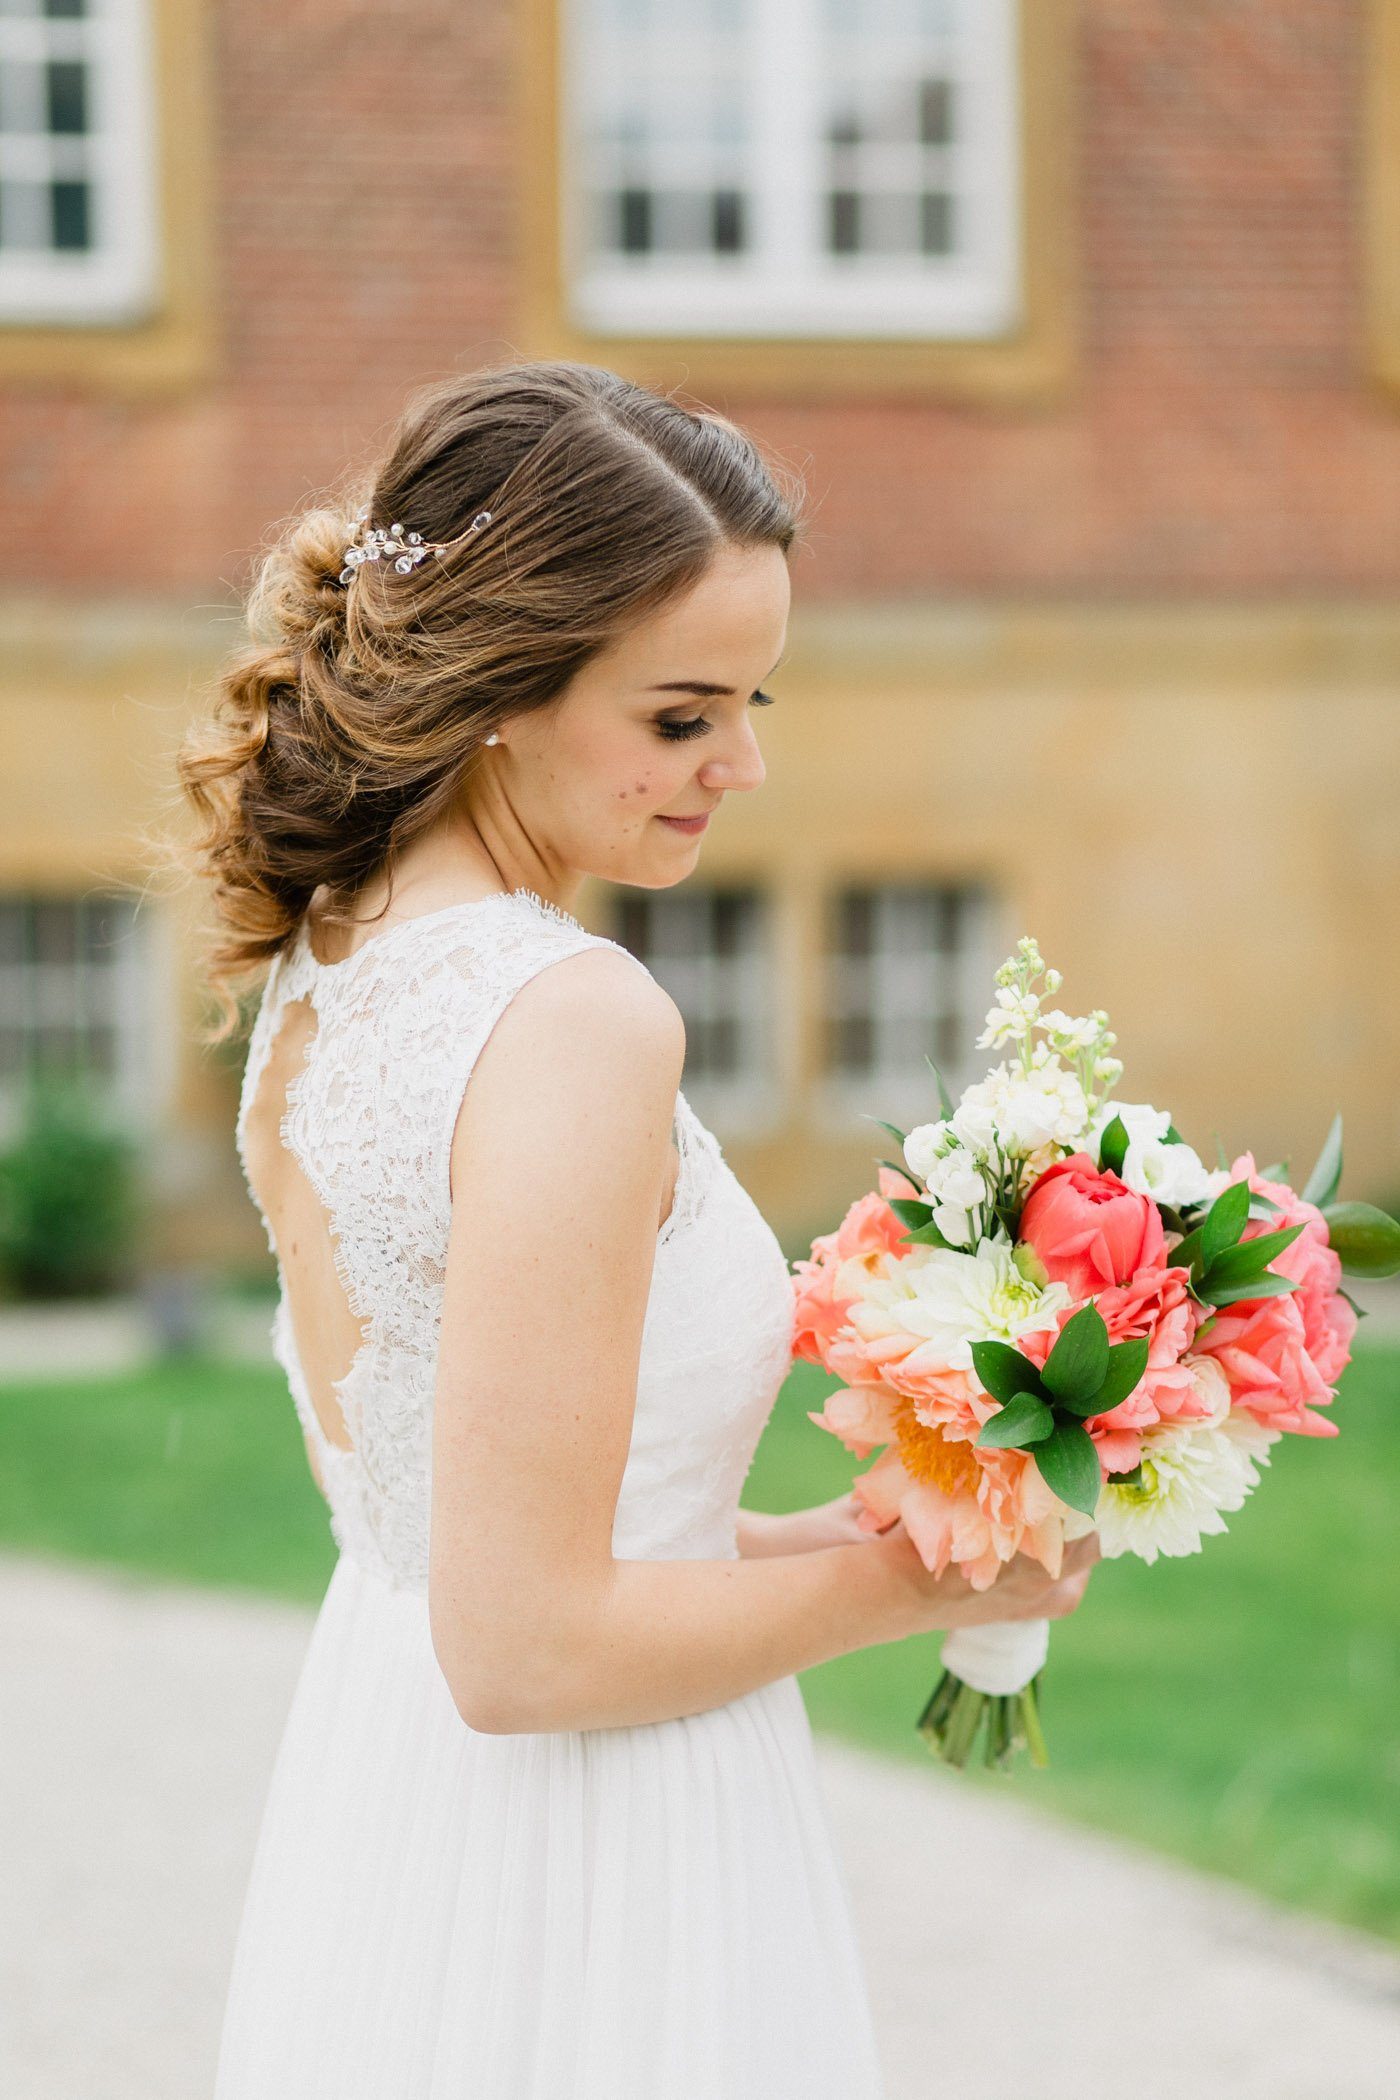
<point x="653" y="1912"/>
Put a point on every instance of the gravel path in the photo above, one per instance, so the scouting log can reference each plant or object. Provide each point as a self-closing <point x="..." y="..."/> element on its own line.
<point x="1006" y="1953"/>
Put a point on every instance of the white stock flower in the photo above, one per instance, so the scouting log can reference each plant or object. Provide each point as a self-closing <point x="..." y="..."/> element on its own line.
<point x="1190" y="1474"/>
<point x="1069" y="1031"/>
<point x="1043" y="1107"/>
<point x="1014" y="1012"/>
<point x="926" y="1144"/>
<point x="1171" y="1174"/>
<point x="951" y="1300"/>
<point x="974" y="1118"/>
<point x="957" y="1189"/>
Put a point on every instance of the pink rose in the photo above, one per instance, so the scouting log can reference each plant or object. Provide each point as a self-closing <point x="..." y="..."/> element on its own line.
<point x="1329" y="1323"/>
<point x="1089" y="1228"/>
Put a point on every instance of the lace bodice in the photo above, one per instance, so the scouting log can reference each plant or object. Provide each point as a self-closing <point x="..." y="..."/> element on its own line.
<point x="369" y="1118"/>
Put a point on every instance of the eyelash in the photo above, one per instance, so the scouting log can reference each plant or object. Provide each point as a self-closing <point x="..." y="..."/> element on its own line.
<point x="677" y="732"/>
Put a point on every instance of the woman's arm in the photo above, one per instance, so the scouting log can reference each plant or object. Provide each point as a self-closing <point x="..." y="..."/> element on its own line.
<point x="760" y="1531"/>
<point x="559" y="1167"/>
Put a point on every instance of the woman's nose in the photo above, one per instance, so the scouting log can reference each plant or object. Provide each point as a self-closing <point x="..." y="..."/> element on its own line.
<point x="741" y="765"/>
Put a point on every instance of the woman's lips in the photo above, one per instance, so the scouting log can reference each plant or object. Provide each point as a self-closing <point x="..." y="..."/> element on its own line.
<point x="691" y="825"/>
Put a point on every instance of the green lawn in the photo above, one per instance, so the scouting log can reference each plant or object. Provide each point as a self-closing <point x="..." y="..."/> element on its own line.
<point x="1239" y="1708"/>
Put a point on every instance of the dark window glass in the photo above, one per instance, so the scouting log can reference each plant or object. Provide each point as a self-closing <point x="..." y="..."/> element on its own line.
<point x="728" y="222"/>
<point x="66" y="90"/>
<point x="634" y="221"/>
<point x="71" y="228"/>
<point x="843" y="222"/>
<point x="936" y="222"/>
<point x="935" y="112"/>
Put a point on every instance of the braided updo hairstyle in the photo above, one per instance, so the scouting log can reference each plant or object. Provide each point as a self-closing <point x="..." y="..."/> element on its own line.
<point x="350" y="721"/>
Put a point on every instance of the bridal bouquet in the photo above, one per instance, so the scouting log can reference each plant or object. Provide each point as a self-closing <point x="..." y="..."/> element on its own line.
<point x="1055" y="1320"/>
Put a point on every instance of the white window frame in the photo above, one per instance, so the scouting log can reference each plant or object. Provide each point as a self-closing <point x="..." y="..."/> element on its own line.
<point x="117" y="278"/>
<point x="739" y="987"/>
<point x="35" y="993"/>
<point x="786" y="283"/>
<point x="900" y="982"/>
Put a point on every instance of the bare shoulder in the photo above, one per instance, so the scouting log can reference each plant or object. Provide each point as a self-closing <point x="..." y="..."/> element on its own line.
<point x="601" y="997"/>
<point x="589" y="1047"/>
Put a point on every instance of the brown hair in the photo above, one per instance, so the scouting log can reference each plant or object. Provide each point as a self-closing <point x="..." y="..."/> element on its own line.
<point x="348" y="723"/>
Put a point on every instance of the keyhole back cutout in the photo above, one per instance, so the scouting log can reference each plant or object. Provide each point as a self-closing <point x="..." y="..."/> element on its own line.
<point x="327" y="1333"/>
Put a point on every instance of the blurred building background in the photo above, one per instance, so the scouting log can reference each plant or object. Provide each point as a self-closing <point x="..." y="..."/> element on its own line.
<point x="1081" y="319"/>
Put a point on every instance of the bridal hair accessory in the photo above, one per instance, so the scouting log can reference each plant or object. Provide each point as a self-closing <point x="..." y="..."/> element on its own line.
<point x="492" y="739"/>
<point x="373" y="543"/>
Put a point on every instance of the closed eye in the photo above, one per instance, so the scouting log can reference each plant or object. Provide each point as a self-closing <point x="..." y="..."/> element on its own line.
<point x="676" y="732"/>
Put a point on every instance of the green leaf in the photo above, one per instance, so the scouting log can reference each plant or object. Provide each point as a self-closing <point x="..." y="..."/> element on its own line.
<point x="1359" y="1310"/>
<point x="1224" y="1221"/>
<point x="1367" y="1239"/>
<point x="897" y="1134"/>
<point x="1113" y="1146"/>
<point x="1069" y="1466"/>
<point x="1322" y="1184"/>
<point x="1003" y="1371"/>
<point x="1126" y="1363"/>
<point x="1262" y="1206"/>
<point x="1250" y="1257"/>
<point x="1277" y="1172"/>
<point x="1173" y="1136"/>
<point x="1078" y="1363"/>
<point x="945" y="1099"/>
<point x="1220" y="1159"/>
<point x="897" y="1168"/>
<point x="929" y="1236"/>
<point x="1187" y="1253"/>
<point x="1024" y="1420"/>
<point x="911" y="1210"/>
<point x="1265" y="1286"/>
<point x="1132" y="1478"/>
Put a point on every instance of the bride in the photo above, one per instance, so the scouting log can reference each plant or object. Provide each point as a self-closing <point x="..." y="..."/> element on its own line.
<point x="545" y="1821"/>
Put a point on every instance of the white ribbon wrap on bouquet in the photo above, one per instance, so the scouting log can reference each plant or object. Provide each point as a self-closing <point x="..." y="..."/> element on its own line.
<point x="1000" y="1657"/>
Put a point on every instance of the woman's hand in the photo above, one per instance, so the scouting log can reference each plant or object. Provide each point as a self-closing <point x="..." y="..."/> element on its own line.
<point x="926" y="1603"/>
<point x="801" y="1530"/>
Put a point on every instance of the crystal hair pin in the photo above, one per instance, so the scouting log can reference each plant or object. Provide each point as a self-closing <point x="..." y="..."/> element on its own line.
<point x="406" y="549"/>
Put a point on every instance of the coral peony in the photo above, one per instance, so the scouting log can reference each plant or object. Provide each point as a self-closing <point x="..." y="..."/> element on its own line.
<point x="869" y="1227"/>
<point x="1261" y="1346"/>
<point x="975" y="1510"/>
<point x="1329" y="1322"/>
<point x="1089" y="1228"/>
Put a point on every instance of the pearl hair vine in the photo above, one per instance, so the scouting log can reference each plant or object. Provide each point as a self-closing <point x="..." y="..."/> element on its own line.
<point x="372" y="543"/>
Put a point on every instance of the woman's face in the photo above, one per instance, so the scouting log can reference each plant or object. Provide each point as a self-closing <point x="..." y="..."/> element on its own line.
<point x="658" y="725"/>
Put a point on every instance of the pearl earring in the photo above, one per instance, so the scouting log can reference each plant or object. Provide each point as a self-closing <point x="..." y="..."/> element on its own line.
<point x="493" y="738"/>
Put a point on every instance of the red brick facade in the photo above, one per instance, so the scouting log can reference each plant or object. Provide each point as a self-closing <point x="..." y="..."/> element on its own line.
<point x="1221" y="437"/>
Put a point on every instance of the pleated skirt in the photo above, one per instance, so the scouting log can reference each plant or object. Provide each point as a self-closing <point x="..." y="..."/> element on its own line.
<point x="645" y="1913"/>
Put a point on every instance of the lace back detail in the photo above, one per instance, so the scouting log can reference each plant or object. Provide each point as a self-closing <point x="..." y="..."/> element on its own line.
<point x="368" y="1119"/>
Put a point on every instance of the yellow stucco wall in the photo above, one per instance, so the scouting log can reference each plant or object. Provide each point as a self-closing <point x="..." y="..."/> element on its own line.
<point x="1196" y="811"/>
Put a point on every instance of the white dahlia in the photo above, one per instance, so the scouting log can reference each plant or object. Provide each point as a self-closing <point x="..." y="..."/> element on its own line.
<point x="1190" y="1474"/>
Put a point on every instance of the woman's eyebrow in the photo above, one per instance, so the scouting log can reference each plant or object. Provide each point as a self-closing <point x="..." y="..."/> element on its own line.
<point x="693" y="685"/>
<point x="701" y="687"/>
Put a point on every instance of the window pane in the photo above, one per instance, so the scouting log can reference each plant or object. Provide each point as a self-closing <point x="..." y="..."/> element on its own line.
<point x="79" y="194"/>
<point x="799" y="167"/>
<point x="660" y="126"/>
<point x="66" y="83"/>
<point x="706" y="947"/>
<point x="908" y="980"/>
<point x="71" y="215"/>
<point x="70" y="989"/>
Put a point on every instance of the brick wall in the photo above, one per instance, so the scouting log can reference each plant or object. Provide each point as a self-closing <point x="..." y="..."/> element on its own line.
<point x="1222" y="438"/>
